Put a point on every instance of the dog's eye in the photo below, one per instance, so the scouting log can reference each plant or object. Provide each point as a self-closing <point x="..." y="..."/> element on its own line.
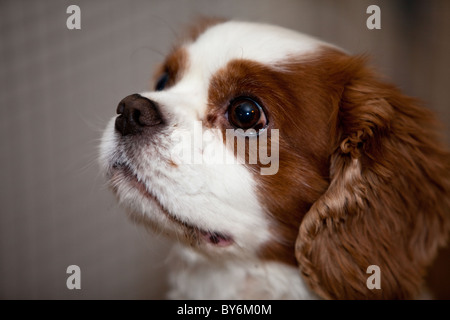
<point x="162" y="82"/>
<point x="245" y="113"/>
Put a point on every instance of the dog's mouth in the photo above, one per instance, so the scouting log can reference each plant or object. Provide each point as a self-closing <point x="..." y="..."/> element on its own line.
<point x="121" y="172"/>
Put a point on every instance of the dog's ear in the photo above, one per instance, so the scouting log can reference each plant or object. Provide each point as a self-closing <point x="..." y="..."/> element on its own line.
<point x="388" y="200"/>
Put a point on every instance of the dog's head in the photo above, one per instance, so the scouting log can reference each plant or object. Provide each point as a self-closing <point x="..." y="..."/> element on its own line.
<point x="262" y="143"/>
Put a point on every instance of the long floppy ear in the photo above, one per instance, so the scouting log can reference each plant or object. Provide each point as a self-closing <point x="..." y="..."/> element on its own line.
<point x="388" y="200"/>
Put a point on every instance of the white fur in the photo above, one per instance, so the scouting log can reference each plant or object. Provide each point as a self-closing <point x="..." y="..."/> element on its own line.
<point x="217" y="198"/>
<point x="263" y="43"/>
<point x="194" y="276"/>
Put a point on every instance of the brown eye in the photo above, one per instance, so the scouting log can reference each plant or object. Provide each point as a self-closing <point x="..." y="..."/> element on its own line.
<point x="245" y="113"/>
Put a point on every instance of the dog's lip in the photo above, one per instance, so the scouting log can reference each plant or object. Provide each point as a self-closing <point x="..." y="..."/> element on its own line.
<point x="212" y="237"/>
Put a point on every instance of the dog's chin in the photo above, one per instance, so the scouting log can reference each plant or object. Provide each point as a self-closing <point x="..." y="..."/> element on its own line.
<point x="123" y="180"/>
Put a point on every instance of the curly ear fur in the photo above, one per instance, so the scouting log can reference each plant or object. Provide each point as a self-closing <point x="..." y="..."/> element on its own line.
<point x="388" y="201"/>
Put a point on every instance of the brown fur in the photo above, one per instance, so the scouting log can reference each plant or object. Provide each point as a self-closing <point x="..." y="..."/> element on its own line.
<point x="388" y="200"/>
<point x="174" y="65"/>
<point x="361" y="175"/>
<point x="300" y="179"/>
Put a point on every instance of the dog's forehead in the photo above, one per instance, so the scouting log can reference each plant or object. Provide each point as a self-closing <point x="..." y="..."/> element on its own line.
<point x="262" y="43"/>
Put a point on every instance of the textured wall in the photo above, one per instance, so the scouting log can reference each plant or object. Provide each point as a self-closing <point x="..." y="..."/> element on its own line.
<point x="59" y="87"/>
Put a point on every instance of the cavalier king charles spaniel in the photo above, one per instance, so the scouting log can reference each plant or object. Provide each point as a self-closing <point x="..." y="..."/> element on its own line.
<point x="333" y="171"/>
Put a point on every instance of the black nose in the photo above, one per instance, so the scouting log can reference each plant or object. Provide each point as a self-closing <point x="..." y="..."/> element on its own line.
<point x="136" y="114"/>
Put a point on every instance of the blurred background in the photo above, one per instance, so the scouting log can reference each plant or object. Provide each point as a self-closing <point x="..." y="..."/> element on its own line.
<point x="59" y="87"/>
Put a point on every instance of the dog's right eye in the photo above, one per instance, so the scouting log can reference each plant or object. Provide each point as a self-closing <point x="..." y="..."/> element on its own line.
<point x="162" y="82"/>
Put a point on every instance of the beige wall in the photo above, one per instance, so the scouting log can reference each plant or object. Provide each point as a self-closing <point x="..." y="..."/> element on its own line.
<point x="59" y="87"/>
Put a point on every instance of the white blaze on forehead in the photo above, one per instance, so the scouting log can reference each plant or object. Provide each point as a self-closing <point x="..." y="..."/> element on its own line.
<point x="242" y="40"/>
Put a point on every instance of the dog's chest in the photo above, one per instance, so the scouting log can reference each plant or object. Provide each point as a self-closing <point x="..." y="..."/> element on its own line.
<point x="193" y="276"/>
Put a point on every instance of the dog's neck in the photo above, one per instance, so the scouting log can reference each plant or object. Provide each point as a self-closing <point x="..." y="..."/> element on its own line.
<point x="194" y="276"/>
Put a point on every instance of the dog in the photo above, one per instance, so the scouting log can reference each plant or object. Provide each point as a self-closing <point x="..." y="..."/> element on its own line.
<point x="356" y="180"/>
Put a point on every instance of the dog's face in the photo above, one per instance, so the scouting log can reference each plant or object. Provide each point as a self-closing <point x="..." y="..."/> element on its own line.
<point x="231" y="76"/>
<point x="319" y="116"/>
